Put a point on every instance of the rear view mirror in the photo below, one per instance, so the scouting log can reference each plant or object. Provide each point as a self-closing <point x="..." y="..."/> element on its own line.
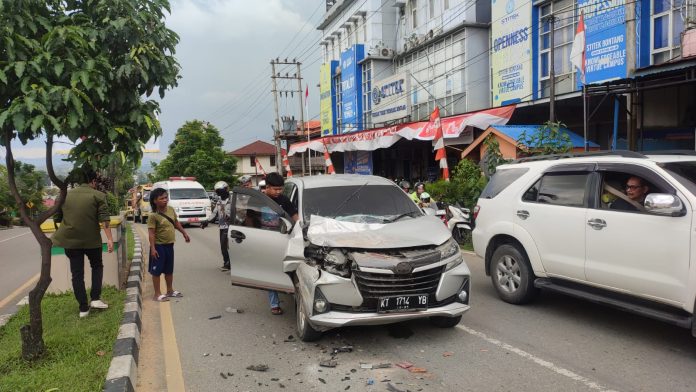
<point x="285" y="225"/>
<point x="664" y="204"/>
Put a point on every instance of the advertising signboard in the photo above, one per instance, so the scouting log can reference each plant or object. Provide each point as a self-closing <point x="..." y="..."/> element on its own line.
<point x="351" y="86"/>
<point x="605" y="39"/>
<point x="327" y="99"/>
<point x="358" y="162"/>
<point x="390" y="99"/>
<point x="511" y="57"/>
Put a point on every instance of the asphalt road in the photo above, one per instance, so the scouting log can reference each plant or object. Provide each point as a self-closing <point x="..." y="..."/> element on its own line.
<point x="20" y="261"/>
<point x="555" y="344"/>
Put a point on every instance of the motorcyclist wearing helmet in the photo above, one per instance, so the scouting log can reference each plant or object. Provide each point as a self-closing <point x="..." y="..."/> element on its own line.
<point x="405" y="186"/>
<point x="418" y="190"/>
<point x="426" y="202"/>
<point x="223" y="211"/>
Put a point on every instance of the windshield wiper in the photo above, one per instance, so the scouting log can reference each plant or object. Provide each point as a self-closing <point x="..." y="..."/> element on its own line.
<point x="344" y="202"/>
<point x="396" y="218"/>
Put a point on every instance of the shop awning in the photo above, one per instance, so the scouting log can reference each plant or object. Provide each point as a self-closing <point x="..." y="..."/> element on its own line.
<point x="374" y="139"/>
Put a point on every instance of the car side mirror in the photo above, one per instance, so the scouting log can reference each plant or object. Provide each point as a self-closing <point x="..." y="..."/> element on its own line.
<point x="286" y="225"/>
<point x="664" y="204"/>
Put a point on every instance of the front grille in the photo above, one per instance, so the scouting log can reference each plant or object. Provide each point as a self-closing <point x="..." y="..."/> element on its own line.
<point x="373" y="286"/>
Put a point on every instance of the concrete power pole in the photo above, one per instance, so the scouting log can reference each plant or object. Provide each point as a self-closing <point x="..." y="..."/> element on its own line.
<point x="276" y="131"/>
<point x="302" y="121"/>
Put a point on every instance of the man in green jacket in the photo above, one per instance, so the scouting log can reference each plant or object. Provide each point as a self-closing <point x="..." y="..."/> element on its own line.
<point x="83" y="210"/>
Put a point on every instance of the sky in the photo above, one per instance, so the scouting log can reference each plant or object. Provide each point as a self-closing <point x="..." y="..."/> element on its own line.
<point x="224" y="51"/>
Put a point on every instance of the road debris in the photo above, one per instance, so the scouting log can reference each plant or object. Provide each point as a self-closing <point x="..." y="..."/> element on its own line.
<point x="223" y="375"/>
<point x="258" y="368"/>
<point x="392" y="388"/>
<point x="330" y="363"/>
<point x="447" y="354"/>
<point x="322" y="380"/>
<point x="215" y="317"/>
<point x="205" y="354"/>
<point x="101" y="353"/>
<point x="417" y="370"/>
<point x="344" y="349"/>
<point x="382" y="366"/>
<point x="365" y="365"/>
<point x="289" y="339"/>
<point x="404" y="364"/>
<point x="233" y="310"/>
<point x="370" y="381"/>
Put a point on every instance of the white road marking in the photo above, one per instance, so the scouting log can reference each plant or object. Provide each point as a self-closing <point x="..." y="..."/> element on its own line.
<point x="11" y="238"/>
<point x="541" y="362"/>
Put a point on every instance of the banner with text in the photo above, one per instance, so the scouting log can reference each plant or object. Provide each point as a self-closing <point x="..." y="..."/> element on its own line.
<point x="511" y="57"/>
<point x="327" y="99"/>
<point x="351" y="88"/>
<point x="390" y="98"/>
<point x="605" y="39"/>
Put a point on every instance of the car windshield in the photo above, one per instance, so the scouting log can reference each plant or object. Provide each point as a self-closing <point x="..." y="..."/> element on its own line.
<point x="187" y="193"/>
<point x="684" y="172"/>
<point x="359" y="203"/>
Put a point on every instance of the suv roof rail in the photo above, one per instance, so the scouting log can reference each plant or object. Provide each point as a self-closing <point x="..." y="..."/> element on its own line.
<point x="670" y="152"/>
<point x="621" y="153"/>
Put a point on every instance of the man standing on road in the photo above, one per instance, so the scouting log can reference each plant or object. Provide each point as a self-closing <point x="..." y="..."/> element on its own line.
<point x="274" y="190"/>
<point x="78" y="234"/>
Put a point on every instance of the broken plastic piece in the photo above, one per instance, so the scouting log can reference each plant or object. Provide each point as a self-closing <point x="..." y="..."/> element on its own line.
<point x="447" y="354"/>
<point x="392" y="388"/>
<point x="330" y="363"/>
<point x="258" y="368"/>
<point x="404" y="364"/>
<point x="365" y="365"/>
<point x="344" y="349"/>
<point x="370" y="381"/>
<point x="322" y="380"/>
<point x="215" y="317"/>
<point x="417" y="370"/>
<point x="382" y="366"/>
<point x="223" y="375"/>
<point x="233" y="310"/>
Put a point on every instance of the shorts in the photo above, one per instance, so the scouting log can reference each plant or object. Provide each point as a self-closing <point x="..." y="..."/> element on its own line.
<point x="164" y="264"/>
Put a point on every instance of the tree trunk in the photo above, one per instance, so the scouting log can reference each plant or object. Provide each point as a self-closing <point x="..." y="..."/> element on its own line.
<point x="33" y="346"/>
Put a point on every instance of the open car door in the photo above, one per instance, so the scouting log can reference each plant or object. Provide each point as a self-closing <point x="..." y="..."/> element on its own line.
<point x="258" y="241"/>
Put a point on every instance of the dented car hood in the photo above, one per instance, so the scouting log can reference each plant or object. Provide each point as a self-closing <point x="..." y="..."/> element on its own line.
<point x="404" y="233"/>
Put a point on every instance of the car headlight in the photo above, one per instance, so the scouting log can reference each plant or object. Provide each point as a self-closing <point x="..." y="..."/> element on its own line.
<point x="177" y="209"/>
<point x="454" y="263"/>
<point x="449" y="249"/>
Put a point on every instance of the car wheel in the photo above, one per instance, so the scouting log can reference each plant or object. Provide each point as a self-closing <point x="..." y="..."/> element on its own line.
<point x="445" y="322"/>
<point x="457" y="235"/>
<point x="304" y="330"/>
<point x="512" y="275"/>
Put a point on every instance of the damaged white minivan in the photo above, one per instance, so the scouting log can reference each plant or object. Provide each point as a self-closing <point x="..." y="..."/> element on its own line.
<point x="361" y="253"/>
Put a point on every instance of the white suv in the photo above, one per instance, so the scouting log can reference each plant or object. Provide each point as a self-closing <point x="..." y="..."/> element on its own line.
<point x="561" y="223"/>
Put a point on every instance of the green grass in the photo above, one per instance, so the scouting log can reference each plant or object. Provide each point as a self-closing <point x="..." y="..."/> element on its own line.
<point x="72" y="362"/>
<point x="130" y="240"/>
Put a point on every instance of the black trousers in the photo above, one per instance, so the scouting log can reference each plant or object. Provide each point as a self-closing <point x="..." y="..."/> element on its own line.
<point x="77" y="268"/>
<point x="224" y="247"/>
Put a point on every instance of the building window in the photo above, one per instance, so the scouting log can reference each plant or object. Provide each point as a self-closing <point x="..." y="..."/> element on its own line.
<point x="366" y="94"/>
<point x="667" y="26"/>
<point x="252" y="161"/>
<point x="564" y="22"/>
<point x="349" y="35"/>
<point x="273" y="158"/>
<point x="414" y="13"/>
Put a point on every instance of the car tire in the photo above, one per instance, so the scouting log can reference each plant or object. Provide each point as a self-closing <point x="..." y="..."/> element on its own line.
<point x="445" y="322"/>
<point x="462" y="236"/>
<point x="305" y="331"/>
<point x="512" y="275"/>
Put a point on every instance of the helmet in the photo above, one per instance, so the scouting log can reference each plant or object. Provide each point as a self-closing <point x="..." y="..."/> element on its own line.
<point x="419" y="184"/>
<point x="222" y="189"/>
<point x="405" y="184"/>
<point x="425" y="196"/>
<point x="262" y="184"/>
<point x="244" y="179"/>
<point x="221" y="185"/>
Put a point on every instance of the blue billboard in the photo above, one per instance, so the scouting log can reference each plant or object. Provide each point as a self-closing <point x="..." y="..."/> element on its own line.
<point x="605" y="40"/>
<point x="351" y="89"/>
<point x="357" y="162"/>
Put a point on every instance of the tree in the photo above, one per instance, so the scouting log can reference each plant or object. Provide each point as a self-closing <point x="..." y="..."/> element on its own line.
<point x="81" y="69"/>
<point x="464" y="187"/>
<point x="548" y="139"/>
<point x="492" y="157"/>
<point x="197" y="152"/>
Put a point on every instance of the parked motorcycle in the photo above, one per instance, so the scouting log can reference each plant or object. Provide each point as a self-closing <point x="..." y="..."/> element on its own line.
<point x="459" y="223"/>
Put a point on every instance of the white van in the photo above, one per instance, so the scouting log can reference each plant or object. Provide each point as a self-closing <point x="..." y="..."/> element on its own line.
<point x="188" y="198"/>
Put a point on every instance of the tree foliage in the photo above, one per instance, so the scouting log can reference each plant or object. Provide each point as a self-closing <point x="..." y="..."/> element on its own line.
<point x="464" y="187"/>
<point x="492" y="157"/>
<point x="81" y="69"/>
<point x="549" y="138"/>
<point x="197" y="152"/>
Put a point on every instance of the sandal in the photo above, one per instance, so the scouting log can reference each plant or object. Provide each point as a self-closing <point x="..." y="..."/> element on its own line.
<point x="276" y="311"/>
<point x="162" y="298"/>
<point x="175" y="294"/>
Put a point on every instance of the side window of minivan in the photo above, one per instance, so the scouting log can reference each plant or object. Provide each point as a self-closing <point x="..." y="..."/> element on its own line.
<point x="568" y="189"/>
<point x="290" y="191"/>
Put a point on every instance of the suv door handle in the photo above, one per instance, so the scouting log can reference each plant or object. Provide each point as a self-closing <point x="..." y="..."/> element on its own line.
<point x="597" y="224"/>
<point x="238" y="236"/>
<point x="523" y="214"/>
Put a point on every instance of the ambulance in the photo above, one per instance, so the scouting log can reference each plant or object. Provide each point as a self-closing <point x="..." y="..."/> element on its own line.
<point x="188" y="198"/>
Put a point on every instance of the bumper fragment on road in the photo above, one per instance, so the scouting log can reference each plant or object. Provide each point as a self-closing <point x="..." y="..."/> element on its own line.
<point x="123" y="371"/>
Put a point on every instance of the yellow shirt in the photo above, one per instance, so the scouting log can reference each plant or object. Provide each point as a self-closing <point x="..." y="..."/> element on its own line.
<point x="165" y="232"/>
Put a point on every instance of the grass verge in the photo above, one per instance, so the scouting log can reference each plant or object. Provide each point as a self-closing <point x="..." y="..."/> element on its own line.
<point x="78" y="351"/>
<point x="130" y="241"/>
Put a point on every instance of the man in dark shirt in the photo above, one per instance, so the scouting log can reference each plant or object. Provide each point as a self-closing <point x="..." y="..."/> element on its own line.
<point x="274" y="190"/>
<point x="636" y="190"/>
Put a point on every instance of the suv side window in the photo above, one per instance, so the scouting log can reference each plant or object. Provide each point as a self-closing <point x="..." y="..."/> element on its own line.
<point x="559" y="189"/>
<point x="501" y="180"/>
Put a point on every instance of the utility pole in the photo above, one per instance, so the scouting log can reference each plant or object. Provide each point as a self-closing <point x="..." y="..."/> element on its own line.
<point x="302" y="127"/>
<point x="552" y="74"/>
<point x="276" y="131"/>
<point x="287" y="124"/>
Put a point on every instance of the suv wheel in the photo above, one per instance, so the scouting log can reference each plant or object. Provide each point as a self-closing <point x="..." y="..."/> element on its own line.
<point x="304" y="330"/>
<point x="512" y="275"/>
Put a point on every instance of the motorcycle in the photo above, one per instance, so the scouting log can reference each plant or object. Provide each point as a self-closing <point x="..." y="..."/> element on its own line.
<point x="459" y="223"/>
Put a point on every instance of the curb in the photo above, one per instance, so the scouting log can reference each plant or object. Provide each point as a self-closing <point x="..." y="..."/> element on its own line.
<point x="123" y="371"/>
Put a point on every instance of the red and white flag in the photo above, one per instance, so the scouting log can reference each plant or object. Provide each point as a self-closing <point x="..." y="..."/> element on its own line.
<point x="327" y="161"/>
<point x="440" y="153"/>
<point x="306" y="96"/>
<point x="577" y="51"/>
<point x="286" y="165"/>
<point x="259" y="168"/>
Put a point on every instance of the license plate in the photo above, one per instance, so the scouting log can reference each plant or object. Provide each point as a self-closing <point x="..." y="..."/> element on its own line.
<point x="193" y="219"/>
<point x="403" y="303"/>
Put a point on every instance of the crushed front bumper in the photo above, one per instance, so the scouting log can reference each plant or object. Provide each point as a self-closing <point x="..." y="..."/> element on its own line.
<point x="335" y="319"/>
